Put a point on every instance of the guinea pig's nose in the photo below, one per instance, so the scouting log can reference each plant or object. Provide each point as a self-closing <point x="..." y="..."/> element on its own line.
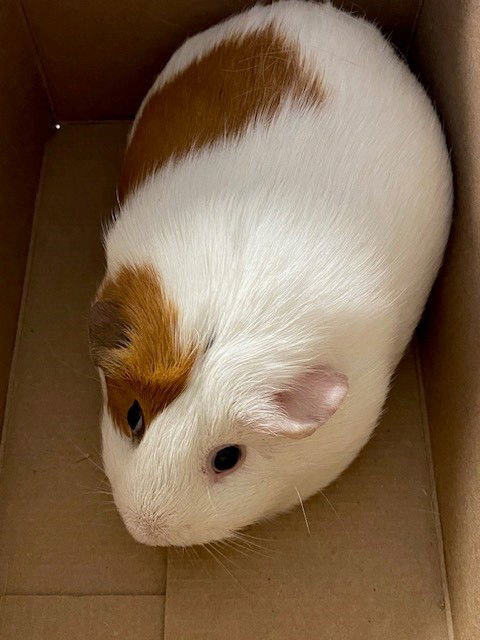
<point x="146" y="529"/>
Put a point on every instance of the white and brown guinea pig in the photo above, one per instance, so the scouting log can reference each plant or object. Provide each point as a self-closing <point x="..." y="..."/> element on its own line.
<point x="284" y="205"/>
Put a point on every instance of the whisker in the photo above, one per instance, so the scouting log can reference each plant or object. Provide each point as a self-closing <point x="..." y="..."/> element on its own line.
<point x="225" y="567"/>
<point x="99" y="493"/>
<point x="210" y="499"/>
<point x="249" y="552"/>
<point x="325" y="497"/>
<point x="89" y="490"/>
<point x="195" y="552"/>
<point x="218" y="561"/>
<point x="233" y="549"/>
<point x="246" y="535"/>
<point x="86" y="456"/>
<point x="186" y="554"/>
<point x="236" y="547"/>
<point x="303" y="511"/>
<point x="251" y="543"/>
<point x="248" y="544"/>
<point x="108" y="507"/>
<point x="214" y="546"/>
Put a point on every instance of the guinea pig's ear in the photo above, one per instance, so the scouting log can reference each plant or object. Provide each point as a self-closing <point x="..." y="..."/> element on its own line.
<point x="310" y="401"/>
<point x="107" y="330"/>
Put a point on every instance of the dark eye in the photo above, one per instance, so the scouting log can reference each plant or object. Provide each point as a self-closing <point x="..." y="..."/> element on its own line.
<point x="135" y="420"/>
<point x="227" y="459"/>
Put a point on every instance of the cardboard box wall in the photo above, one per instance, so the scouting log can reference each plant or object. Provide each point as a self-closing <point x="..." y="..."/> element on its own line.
<point x="69" y="61"/>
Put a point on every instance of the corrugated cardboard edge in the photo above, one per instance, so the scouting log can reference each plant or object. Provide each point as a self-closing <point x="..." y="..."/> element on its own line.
<point x="36" y="58"/>
<point x="21" y="313"/>
<point x="433" y="489"/>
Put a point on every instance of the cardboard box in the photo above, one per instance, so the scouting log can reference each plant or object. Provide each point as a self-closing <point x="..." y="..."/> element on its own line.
<point x="381" y="557"/>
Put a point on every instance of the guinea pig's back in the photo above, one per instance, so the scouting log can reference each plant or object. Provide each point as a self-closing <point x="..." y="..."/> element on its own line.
<point x="287" y="155"/>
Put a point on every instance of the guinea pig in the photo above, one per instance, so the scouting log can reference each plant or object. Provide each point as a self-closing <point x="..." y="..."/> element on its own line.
<point x="283" y="208"/>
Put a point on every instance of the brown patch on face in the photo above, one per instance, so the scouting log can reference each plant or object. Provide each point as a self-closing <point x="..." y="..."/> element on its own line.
<point x="240" y="80"/>
<point x="133" y="329"/>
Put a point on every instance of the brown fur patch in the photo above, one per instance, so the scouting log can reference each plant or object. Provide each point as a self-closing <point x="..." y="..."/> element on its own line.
<point x="133" y="339"/>
<point x="240" y="80"/>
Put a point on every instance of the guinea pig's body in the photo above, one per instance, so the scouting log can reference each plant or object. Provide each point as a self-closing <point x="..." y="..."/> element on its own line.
<point x="284" y="206"/>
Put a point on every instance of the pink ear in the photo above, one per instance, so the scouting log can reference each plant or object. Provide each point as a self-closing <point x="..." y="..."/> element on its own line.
<point x="311" y="400"/>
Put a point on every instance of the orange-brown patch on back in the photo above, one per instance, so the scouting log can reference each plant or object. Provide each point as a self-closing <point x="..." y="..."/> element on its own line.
<point x="133" y="338"/>
<point x="242" y="79"/>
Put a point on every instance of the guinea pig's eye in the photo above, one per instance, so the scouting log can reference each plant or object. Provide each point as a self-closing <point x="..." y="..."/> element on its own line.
<point x="227" y="458"/>
<point x="135" y="420"/>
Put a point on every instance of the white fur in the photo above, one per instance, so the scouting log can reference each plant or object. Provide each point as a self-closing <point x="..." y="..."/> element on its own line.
<point x="313" y="240"/>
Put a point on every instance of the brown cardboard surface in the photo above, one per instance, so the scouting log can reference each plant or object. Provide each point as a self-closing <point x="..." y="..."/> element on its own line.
<point x="81" y="617"/>
<point x="101" y="57"/>
<point x="57" y="535"/>
<point x="447" y="51"/>
<point x="368" y="570"/>
<point x="24" y="118"/>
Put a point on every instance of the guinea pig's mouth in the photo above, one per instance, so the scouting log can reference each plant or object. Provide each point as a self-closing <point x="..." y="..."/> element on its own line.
<point x="155" y="540"/>
<point x="147" y="530"/>
<point x="151" y="531"/>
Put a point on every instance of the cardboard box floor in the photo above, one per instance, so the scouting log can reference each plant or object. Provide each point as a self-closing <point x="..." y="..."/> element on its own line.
<point x="366" y="567"/>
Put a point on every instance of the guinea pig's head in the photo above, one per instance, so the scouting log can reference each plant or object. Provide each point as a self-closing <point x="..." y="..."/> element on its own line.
<point x="196" y="438"/>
